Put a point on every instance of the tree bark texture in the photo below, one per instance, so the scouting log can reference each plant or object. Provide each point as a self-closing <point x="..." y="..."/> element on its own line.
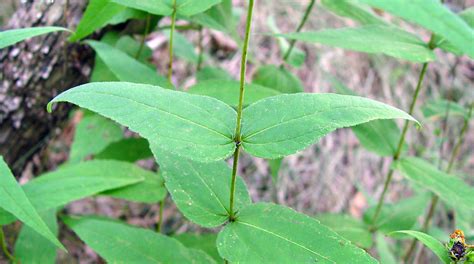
<point x="33" y="72"/>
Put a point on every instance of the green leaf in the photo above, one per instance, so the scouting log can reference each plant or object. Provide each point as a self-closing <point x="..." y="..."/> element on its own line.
<point x="218" y="17"/>
<point x="125" y="67"/>
<point x="348" y="227"/>
<point x="227" y="91"/>
<point x="118" y="242"/>
<point x="182" y="48"/>
<point x="130" y="46"/>
<point x="376" y="39"/>
<point x="275" y="165"/>
<point x="31" y="248"/>
<point x="437" y="109"/>
<point x="383" y="250"/>
<point x="278" y="78"/>
<point x="128" y="149"/>
<point x="433" y="16"/>
<point x="151" y="190"/>
<point x="98" y="14"/>
<point x="285" y="124"/>
<point x="400" y="215"/>
<point x="268" y="233"/>
<point x="430" y="242"/>
<point x="193" y="126"/>
<point x="10" y="37"/>
<point x="92" y="135"/>
<point x="449" y="188"/>
<point x="204" y="242"/>
<point x="126" y="14"/>
<point x="14" y="200"/>
<point x="165" y="7"/>
<point x="201" y="190"/>
<point x="353" y="10"/>
<point x="209" y="73"/>
<point x="297" y="56"/>
<point x="468" y="16"/>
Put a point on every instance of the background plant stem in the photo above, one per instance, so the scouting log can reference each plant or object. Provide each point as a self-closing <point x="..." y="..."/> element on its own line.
<point x="160" y="216"/>
<point x="145" y="34"/>
<point x="237" y="136"/>
<point x="3" y="245"/>
<point x="435" y="198"/>
<point x="201" y="50"/>
<point x="298" y="29"/>
<point x="173" y="22"/>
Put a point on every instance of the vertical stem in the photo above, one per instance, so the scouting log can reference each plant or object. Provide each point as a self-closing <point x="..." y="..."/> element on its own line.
<point x="145" y="34"/>
<point x="3" y="245"/>
<point x="435" y="198"/>
<point x="173" y="22"/>
<point x="66" y="59"/>
<point x="396" y="156"/>
<point x="298" y="29"/>
<point x="160" y="219"/>
<point x="237" y="136"/>
<point x="201" y="49"/>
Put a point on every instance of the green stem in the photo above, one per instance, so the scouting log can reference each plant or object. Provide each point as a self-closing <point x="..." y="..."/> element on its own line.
<point x="237" y="137"/>
<point x="396" y="156"/>
<point x="4" y="246"/>
<point x="173" y="22"/>
<point x="435" y="198"/>
<point x="201" y="50"/>
<point x="298" y="29"/>
<point x="181" y="27"/>
<point x="160" y="216"/>
<point x="145" y="34"/>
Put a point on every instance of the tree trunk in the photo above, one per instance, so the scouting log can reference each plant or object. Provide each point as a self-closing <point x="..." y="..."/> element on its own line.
<point x="32" y="73"/>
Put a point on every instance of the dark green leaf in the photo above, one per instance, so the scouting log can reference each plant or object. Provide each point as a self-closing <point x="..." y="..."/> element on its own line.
<point x="204" y="242"/>
<point x="434" y="16"/>
<point x="31" y="248"/>
<point x="210" y="73"/>
<point x="228" y="91"/>
<point x="430" y="242"/>
<point x="165" y="7"/>
<point x="13" y="199"/>
<point x="449" y="188"/>
<point x="387" y="40"/>
<point x="278" y="78"/>
<point x="285" y="124"/>
<point x="151" y="190"/>
<point x="268" y="233"/>
<point x="12" y="36"/>
<point x="129" y="149"/>
<point x="126" y="14"/>
<point x="117" y="242"/>
<point x="201" y="190"/>
<point x="437" y="109"/>
<point x="348" y="227"/>
<point x="352" y="10"/>
<point x="193" y="126"/>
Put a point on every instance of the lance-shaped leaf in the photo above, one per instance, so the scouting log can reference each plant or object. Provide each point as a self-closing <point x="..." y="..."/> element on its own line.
<point x="285" y="124"/>
<point x="14" y="200"/>
<point x="151" y="190"/>
<point x="348" y="227"/>
<point x="118" y="242"/>
<point x="165" y="7"/>
<point x="279" y="79"/>
<point x="297" y="56"/>
<point x="352" y="10"/>
<point x="433" y="16"/>
<point x="126" y="68"/>
<point x="452" y="190"/>
<point x="201" y="190"/>
<point x="182" y="47"/>
<point x="12" y="36"/>
<point x="204" y="242"/>
<point x="386" y="40"/>
<point x="128" y="149"/>
<point x="437" y="109"/>
<point x="218" y="17"/>
<point x="32" y="248"/>
<point x="193" y="126"/>
<point x="442" y="43"/>
<point x="268" y="233"/>
<point x="430" y="242"/>
<point x="228" y="91"/>
<point x="210" y="73"/>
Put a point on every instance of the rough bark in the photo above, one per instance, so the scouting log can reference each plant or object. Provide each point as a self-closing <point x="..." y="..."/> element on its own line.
<point x="32" y="73"/>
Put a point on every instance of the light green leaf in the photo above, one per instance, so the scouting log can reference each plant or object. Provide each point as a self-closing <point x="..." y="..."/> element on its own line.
<point x="98" y="14"/>
<point x="218" y="17"/>
<point x="204" y="242"/>
<point x="468" y="16"/>
<point x="130" y="46"/>
<point x="400" y="215"/>
<point x="268" y="233"/>
<point x="278" y="78"/>
<point x="125" y="67"/>
<point x="275" y="165"/>
<point x="353" y="10"/>
<point x="126" y="14"/>
<point x="376" y="39"/>
<point x="385" y="254"/>
<point x="437" y="109"/>
<point x="151" y="190"/>
<point x="182" y="48"/>
<point x="118" y="242"/>
<point x="165" y="7"/>
<point x="297" y="56"/>
<point x="128" y="149"/>
<point x="31" y="248"/>
<point x="209" y="73"/>
<point x="348" y="227"/>
<point x="449" y="188"/>
<point x="430" y="243"/>
<point x="228" y="91"/>
<point x="433" y="16"/>
<point x="92" y="135"/>
<point x="12" y="36"/>
<point x="285" y="124"/>
<point x="201" y="190"/>
<point x="193" y="126"/>
<point x="14" y="200"/>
